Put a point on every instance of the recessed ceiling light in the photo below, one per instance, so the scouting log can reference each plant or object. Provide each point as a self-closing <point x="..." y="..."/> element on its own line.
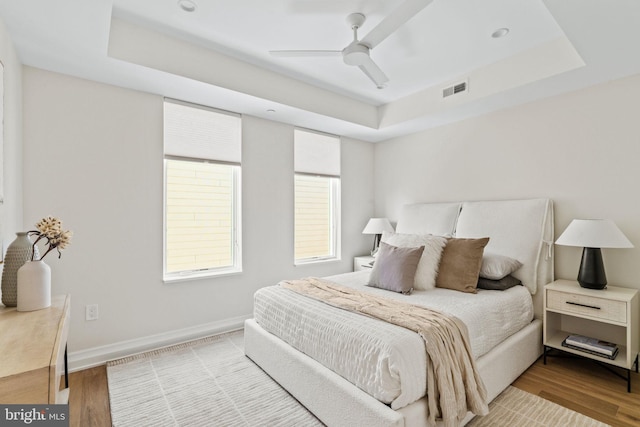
<point x="500" y="32"/>
<point x="271" y="110"/>
<point x="187" y="5"/>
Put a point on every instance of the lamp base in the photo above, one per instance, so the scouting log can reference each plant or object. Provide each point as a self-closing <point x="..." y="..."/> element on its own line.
<point x="376" y="244"/>
<point x="591" y="274"/>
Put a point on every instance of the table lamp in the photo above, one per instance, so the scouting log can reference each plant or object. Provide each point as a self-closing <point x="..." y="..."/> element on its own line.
<point x="593" y="234"/>
<point x="377" y="226"/>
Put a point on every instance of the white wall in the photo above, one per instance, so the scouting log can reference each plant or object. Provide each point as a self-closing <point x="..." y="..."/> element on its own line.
<point x="580" y="149"/>
<point x="93" y="157"/>
<point x="11" y="168"/>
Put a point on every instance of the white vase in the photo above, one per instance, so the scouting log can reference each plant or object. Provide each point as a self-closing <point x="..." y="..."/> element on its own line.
<point x="34" y="286"/>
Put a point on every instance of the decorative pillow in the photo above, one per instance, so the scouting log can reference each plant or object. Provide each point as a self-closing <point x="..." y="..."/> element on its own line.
<point x="428" y="266"/>
<point x="498" y="285"/>
<point x="460" y="264"/>
<point x="495" y="266"/>
<point x="395" y="268"/>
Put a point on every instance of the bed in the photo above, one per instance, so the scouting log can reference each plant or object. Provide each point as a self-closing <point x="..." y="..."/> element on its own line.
<point x="300" y="342"/>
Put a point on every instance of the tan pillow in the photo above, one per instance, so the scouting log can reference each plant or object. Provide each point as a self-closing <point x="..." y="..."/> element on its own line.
<point x="460" y="264"/>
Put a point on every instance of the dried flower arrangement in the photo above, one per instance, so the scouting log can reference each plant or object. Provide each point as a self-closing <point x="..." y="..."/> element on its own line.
<point x="50" y="228"/>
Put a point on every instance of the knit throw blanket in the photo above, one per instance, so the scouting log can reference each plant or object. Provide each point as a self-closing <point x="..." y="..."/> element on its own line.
<point x="453" y="383"/>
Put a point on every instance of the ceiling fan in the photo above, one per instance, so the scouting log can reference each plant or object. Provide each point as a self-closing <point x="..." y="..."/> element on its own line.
<point x="358" y="51"/>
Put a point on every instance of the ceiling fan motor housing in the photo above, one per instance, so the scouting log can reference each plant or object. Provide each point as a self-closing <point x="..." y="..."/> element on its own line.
<point x="355" y="54"/>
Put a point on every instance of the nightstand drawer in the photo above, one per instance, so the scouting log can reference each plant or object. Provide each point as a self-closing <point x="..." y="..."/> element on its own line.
<point x="600" y="308"/>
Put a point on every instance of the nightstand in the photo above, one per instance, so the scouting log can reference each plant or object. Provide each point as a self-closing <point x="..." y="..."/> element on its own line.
<point x="34" y="354"/>
<point x="363" y="263"/>
<point x="609" y="314"/>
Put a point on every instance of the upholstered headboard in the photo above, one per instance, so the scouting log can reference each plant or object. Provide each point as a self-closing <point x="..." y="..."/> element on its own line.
<point x="429" y="218"/>
<point x="521" y="229"/>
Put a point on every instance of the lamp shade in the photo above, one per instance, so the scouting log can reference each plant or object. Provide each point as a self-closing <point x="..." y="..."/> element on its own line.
<point x="377" y="226"/>
<point x="593" y="233"/>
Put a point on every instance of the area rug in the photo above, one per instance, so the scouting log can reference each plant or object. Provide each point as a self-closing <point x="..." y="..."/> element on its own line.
<point x="210" y="382"/>
<point x="515" y="407"/>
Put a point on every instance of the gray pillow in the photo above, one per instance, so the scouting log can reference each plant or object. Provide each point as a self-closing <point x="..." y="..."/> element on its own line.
<point x="498" y="285"/>
<point x="395" y="268"/>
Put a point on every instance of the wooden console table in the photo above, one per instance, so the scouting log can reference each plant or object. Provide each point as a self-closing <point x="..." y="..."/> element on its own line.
<point x="33" y="354"/>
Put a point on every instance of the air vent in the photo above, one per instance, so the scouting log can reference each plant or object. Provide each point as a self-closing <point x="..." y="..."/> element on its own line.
<point x="455" y="89"/>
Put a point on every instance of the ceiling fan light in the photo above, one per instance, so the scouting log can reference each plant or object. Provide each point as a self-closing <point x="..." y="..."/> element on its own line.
<point x="356" y="58"/>
<point x="355" y="54"/>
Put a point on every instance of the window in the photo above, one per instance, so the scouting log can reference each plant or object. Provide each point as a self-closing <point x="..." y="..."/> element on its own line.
<point x="202" y="191"/>
<point x="317" y="196"/>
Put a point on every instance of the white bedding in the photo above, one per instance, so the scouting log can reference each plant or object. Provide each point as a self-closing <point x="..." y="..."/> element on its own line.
<point x="386" y="361"/>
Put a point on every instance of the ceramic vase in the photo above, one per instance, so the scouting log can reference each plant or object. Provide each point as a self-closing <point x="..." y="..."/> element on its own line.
<point x="18" y="252"/>
<point x="34" y="286"/>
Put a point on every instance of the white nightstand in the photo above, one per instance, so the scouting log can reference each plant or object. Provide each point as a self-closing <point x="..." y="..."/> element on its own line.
<point x="609" y="314"/>
<point x="362" y="263"/>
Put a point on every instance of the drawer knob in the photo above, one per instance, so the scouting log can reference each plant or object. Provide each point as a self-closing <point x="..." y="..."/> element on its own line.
<point x="583" y="305"/>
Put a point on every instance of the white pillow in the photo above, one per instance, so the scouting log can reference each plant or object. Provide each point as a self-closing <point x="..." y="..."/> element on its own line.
<point x="495" y="266"/>
<point x="427" y="270"/>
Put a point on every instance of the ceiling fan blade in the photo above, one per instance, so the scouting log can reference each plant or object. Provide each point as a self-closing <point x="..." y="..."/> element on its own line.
<point x="393" y="21"/>
<point x="308" y="53"/>
<point x="374" y="72"/>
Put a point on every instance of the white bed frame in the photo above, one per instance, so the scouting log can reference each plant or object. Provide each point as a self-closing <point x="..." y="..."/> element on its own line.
<point x="522" y="229"/>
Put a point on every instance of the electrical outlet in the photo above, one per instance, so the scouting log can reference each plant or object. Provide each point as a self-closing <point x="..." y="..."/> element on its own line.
<point x="91" y="312"/>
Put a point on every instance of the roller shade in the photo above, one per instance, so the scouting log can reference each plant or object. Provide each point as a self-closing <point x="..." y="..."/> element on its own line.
<point x="201" y="133"/>
<point x="316" y="154"/>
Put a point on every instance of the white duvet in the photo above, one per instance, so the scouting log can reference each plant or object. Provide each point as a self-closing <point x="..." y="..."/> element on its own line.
<point x="386" y="361"/>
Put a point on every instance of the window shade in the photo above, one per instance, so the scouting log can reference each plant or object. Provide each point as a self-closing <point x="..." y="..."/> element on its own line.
<point x="316" y="154"/>
<point x="201" y="133"/>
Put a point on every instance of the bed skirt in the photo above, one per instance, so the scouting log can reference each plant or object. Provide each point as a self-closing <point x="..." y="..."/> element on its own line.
<point x="337" y="402"/>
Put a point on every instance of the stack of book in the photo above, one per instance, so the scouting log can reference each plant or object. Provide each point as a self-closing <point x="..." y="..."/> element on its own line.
<point x="591" y="345"/>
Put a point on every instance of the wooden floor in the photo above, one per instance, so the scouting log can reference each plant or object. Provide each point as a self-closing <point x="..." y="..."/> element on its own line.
<point x="577" y="384"/>
<point x="585" y="387"/>
<point x="89" y="398"/>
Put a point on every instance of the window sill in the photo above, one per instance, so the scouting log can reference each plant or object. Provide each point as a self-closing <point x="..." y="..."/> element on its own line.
<point x="207" y="275"/>
<point x="316" y="261"/>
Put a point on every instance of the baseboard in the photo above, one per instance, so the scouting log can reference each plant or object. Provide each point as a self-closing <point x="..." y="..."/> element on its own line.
<point x="84" y="359"/>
